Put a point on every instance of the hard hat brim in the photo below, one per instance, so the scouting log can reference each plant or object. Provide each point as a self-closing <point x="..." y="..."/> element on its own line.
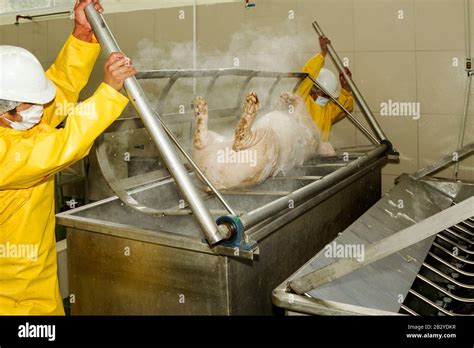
<point x="42" y="98"/>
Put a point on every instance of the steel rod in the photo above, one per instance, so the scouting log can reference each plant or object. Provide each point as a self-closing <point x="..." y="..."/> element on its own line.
<point x="357" y="94"/>
<point x="449" y="241"/>
<point x="157" y="133"/>
<point x="446" y="277"/>
<point x="452" y="254"/>
<point x="424" y="299"/>
<point x="463" y="230"/>
<point x="439" y="288"/>
<point x="190" y="73"/>
<point x="252" y="218"/>
<point x="467" y="240"/>
<point x="352" y="118"/>
<point x="409" y="310"/>
<point x="198" y="170"/>
<point x="447" y="264"/>
<point x="448" y="159"/>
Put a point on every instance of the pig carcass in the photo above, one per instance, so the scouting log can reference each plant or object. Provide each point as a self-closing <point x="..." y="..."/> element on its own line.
<point x="263" y="146"/>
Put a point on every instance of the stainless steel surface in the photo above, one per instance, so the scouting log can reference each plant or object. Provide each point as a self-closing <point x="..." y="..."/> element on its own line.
<point x="120" y="186"/>
<point x="267" y="210"/>
<point x="158" y="134"/>
<point x="385" y="247"/>
<point x="357" y="94"/>
<point x="422" y="275"/>
<point x="174" y="76"/>
<point x="161" y="267"/>
<point x="139" y="263"/>
<point x="445" y="161"/>
<point x="284" y="203"/>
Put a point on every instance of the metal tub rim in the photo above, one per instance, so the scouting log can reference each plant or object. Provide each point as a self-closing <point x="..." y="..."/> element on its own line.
<point x="258" y="232"/>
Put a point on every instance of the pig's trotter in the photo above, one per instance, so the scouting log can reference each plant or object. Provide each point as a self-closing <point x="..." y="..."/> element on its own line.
<point x="243" y="133"/>
<point x="200" y="134"/>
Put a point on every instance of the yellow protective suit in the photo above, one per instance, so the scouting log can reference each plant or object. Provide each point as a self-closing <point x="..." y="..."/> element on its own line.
<point x="326" y="116"/>
<point x="29" y="160"/>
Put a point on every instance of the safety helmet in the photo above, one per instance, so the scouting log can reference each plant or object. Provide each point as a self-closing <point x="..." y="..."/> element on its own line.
<point x="328" y="80"/>
<point x="22" y="78"/>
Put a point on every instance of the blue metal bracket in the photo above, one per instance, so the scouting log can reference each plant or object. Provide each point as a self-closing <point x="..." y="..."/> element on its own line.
<point x="238" y="233"/>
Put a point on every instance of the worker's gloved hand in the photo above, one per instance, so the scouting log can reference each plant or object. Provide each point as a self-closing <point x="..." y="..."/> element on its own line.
<point x="117" y="69"/>
<point x="323" y="43"/>
<point x="82" y="29"/>
<point x="343" y="81"/>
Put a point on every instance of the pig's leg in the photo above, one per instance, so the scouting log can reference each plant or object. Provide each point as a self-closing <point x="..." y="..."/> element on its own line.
<point x="201" y="136"/>
<point x="244" y="137"/>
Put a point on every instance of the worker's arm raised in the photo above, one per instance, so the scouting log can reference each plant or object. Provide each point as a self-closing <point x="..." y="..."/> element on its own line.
<point x="346" y="99"/>
<point x="73" y="66"/>
<point x="70" y="74"/>
<point x="28" y="161"/>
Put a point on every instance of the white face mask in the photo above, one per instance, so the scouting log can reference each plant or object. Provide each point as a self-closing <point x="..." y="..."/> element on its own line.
<point x="321" y="101"/>
<point x="30" y="118"/>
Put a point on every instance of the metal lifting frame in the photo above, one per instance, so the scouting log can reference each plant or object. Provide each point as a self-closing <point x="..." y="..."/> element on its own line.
<point x="357" y="94"/>
<point x="229" y="227"/>
<point x="157" y="132"/>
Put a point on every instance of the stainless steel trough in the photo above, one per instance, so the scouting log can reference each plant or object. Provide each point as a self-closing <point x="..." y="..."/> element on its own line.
<point x="122" y="261"/>
<point x="433" y="276"/>
<point x="163" y="245"/>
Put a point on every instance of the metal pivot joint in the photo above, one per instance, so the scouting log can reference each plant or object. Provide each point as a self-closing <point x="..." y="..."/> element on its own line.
<point x="237" y="237"/>
<point x="158" y="134"/>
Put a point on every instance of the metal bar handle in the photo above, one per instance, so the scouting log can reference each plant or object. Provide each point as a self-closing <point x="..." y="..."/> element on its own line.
<point x="357" y="94"/>
<point x="352" y="118"/>
<point x="157" y="133"/>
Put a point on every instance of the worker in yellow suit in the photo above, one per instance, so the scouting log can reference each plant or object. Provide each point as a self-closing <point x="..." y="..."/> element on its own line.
<point x="32" y="150"/>
<point x="322" y="109"/>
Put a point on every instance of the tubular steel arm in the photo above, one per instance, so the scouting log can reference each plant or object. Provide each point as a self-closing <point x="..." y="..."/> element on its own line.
<point x="357" y="94"/>
<point x="352" y="118"/>
<point x="443" y="162"/>
<point x="159" y="133"/>
<point x="213" y="233"/>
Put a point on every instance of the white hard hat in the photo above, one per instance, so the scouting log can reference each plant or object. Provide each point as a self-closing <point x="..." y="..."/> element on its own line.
<point x="22" y="78"/>
<point x="329" y="81"/>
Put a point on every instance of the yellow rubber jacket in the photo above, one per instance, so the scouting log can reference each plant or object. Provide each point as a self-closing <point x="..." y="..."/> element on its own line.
<point x="326" y="116"/>
<point x="29" y="160"/>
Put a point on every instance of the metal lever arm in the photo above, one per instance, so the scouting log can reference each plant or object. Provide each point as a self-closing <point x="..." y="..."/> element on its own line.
<point x="357" y="94"/>
<point x="213" y="233"/>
